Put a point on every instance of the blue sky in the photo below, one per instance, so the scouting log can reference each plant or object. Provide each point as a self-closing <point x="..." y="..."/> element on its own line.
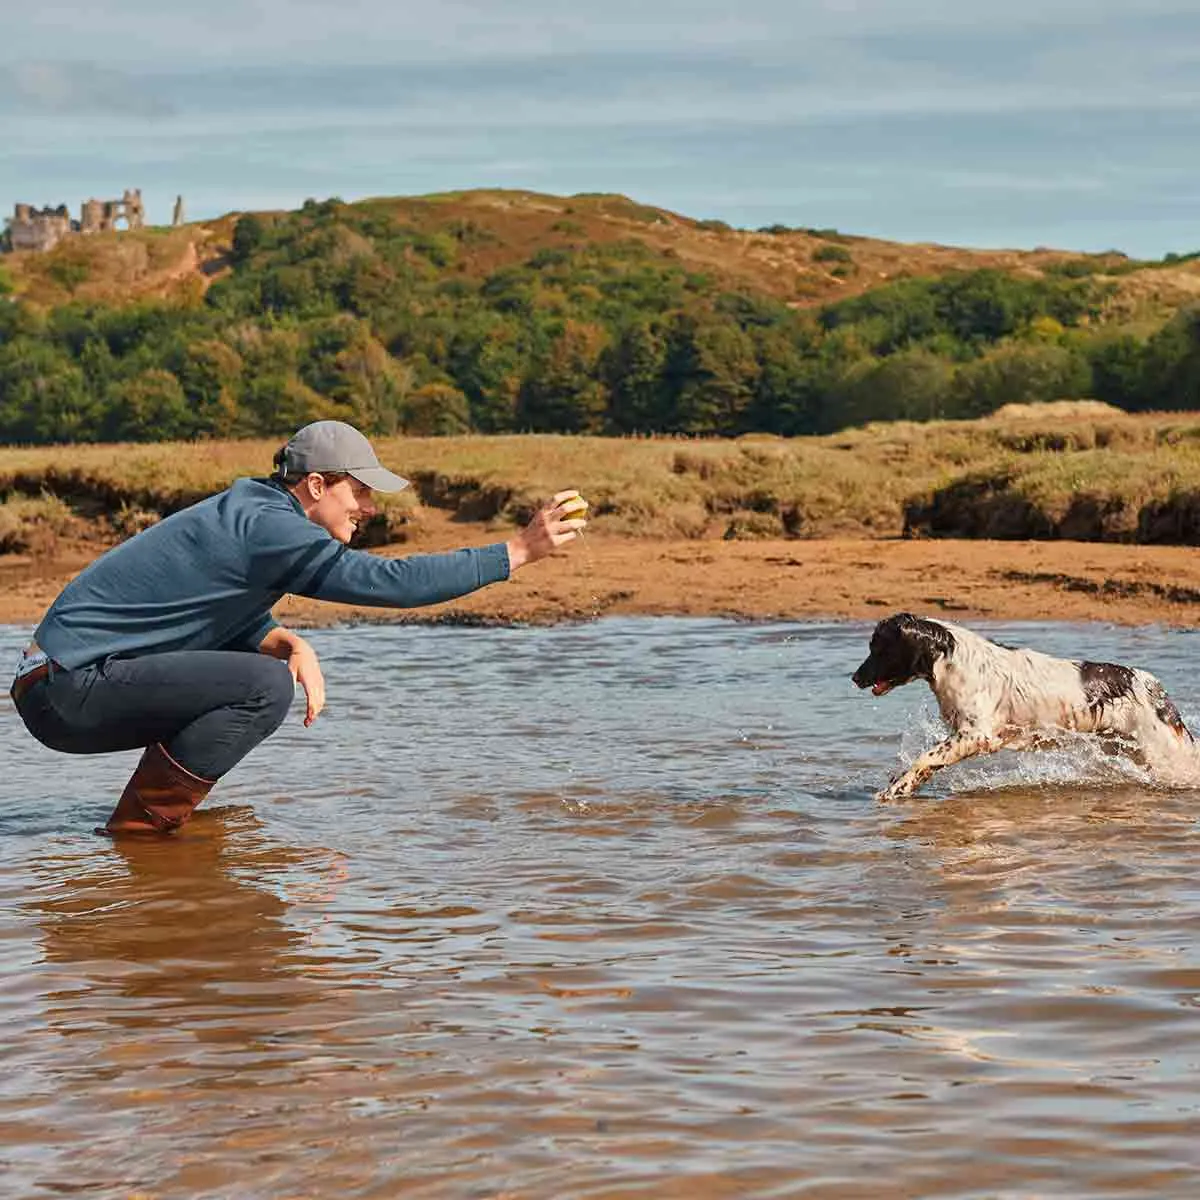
<point x="1068" y="123"/>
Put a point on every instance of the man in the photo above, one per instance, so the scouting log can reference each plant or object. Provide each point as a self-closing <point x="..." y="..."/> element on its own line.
<point x="167" y="641"/>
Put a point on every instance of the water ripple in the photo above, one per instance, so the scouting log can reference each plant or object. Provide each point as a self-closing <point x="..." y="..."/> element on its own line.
<point x="607" y="910"/>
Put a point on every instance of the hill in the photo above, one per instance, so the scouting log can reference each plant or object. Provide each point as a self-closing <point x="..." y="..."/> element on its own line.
<point x="496" y="311"/>
<point x="803" y="267"/>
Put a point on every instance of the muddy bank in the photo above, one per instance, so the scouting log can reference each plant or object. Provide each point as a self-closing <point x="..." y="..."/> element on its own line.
<point x="857" y="578"/>
<point x="995" y="506"/>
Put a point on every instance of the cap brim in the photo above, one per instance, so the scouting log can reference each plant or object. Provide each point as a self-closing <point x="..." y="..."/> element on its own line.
<point x="379" y="479"/>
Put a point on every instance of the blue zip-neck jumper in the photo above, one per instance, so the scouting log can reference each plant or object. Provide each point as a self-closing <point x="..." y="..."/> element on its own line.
<point x="207" y="577"/>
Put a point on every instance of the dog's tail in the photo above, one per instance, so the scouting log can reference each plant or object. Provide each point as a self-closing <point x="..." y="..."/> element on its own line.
<point x="1165" y="710"/>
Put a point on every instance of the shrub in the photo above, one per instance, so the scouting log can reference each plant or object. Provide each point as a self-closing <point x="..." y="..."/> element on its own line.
<point x="830" y="253"/>
<point x="436" y="410"/>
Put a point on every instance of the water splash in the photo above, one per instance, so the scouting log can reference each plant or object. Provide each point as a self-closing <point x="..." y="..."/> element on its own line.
<point x="1079" y="758"/>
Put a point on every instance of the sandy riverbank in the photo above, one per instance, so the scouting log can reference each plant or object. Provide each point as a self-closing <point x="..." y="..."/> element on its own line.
<point x="792" y="579"/>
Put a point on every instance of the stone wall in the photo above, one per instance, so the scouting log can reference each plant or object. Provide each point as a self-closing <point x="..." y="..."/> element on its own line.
<point x="101" y="216"/>
<point x="32" y="228"/>
<point x="38" y="229"/>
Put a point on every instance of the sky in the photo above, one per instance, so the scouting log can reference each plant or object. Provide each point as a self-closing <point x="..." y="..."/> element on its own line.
<point x="1064" y="123"/>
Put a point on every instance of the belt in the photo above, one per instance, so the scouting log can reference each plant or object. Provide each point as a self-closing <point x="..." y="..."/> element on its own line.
<point x="25" y="682"/>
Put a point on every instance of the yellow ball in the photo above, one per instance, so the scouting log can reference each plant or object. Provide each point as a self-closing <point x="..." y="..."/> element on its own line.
<point x="575" y="509"/>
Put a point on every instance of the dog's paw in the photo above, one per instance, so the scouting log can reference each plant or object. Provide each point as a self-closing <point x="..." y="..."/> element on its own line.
<point x="898" y="789"/>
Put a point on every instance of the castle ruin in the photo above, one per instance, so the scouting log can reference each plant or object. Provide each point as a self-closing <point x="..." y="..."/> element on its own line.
<point x="32" y="228"/>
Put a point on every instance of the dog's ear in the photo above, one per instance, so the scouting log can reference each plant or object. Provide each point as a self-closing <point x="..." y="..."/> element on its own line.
<point x="928" y="640"/>
<point x="894" y="624"/>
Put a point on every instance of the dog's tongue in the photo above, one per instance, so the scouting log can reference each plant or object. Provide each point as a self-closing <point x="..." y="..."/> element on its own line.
<point x="881" y="688"/>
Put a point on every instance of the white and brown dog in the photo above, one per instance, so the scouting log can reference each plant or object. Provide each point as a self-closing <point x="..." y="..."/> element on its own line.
<point x="995" y="698"/>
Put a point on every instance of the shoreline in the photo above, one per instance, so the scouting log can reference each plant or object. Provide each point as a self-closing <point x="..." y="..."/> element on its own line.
<point x="828" y="578"/>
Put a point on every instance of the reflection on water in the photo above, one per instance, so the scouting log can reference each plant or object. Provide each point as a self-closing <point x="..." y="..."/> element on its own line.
<point x="442" y="944"/>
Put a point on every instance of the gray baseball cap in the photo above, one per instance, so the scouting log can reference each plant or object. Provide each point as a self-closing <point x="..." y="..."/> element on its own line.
<point x="336" y="446"/>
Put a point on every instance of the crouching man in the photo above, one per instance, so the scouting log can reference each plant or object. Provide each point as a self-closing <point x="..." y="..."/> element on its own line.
<point x="167" y="641"/>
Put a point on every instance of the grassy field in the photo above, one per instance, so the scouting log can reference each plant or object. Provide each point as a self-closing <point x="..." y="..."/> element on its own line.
<point x="1079" y="470"/>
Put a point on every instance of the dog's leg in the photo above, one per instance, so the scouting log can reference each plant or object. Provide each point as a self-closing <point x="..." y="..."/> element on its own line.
<point x="965" y="744"/>
<point x="1119" y="745"/>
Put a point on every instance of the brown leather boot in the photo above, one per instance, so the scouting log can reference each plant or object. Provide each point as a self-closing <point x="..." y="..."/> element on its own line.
<point x="159" y="796"/>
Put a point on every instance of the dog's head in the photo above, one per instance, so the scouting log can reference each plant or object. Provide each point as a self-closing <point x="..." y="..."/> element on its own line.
<point x="903" y="648"/>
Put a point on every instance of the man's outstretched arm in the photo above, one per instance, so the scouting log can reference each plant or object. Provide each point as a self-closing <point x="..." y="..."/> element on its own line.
<point x="325" y="570"/>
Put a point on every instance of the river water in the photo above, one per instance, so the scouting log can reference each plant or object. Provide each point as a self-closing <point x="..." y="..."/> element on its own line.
<point x="607" y="910"/>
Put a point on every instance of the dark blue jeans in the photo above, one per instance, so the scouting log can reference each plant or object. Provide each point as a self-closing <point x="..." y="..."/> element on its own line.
<point x="208" y="708"/>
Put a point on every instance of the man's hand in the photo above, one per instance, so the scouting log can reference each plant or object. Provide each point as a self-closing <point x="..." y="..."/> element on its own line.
<point x="306" y="671"/>
<point x="301" y="660"/>
<point x="545" y="533"/>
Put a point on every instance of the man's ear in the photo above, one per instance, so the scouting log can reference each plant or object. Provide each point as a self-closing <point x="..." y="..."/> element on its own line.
<point x="316" y="484"/>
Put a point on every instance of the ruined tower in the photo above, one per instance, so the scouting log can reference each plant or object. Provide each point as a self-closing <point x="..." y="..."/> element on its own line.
<point x="91" y="216"/>
<point x="134" y="213"/>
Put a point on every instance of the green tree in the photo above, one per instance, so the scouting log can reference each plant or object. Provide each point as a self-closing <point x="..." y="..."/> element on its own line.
<point x="488" y="358"/>
<point x="437" y="410"/>
<point x="98" y="364"/>
<point x="1019" y="374"/>
<point x="632" y="368"/>
<point x="345" y="362"/>
<point x="147" y="408"/>
<point x="210" y="373"/>
<point x="710" y="374"/>
<point x="913" y="385"/>
<point x="787" y="391"/>
<point x="1172" y="364"/>
<point x="1119" y="363"/>
<point x="563" y="391"/>
<point x="282" y="403"/>
<point x="248" y="235"/>
<point x="44" y="396"/>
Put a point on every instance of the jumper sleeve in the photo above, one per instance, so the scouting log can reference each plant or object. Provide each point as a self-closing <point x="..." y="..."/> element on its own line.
<point x="293" y="554"/>
<point x="357" y="577"/>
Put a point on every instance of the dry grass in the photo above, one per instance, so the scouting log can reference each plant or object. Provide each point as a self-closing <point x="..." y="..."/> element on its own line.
<point x="1087" y="472"/>
<point x="34" y="524"/>
<point x="115" y="268"/>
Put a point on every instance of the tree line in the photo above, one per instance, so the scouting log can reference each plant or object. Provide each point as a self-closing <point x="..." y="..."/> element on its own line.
<point x="346" y="311"/>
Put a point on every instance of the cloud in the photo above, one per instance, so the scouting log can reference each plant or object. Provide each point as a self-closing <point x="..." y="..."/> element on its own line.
<point x="640" y="91"/>
<point x="626" y="61"/>
<point x="153" y="35"/>
<point x="77" y="89"/>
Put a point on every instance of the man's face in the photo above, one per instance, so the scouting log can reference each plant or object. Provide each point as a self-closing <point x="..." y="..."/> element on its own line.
<point x="341" y="507"/>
